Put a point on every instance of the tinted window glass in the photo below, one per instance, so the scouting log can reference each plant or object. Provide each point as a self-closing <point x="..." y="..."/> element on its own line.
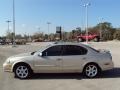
<point x="53" y="51"/>
<point x="74" y="50"/>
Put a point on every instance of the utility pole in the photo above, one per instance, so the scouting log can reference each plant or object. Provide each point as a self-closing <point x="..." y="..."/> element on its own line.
<point x="39" y="29"/>
<point x="48" y="28"/>
<point x="86" y="19"/>
<point x="8" y="21"/>
<point x="13" y="23"/>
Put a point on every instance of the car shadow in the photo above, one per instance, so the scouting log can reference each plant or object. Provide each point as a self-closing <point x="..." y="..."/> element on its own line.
<point x="114" y="73"/>
<point x="56" y="76"/>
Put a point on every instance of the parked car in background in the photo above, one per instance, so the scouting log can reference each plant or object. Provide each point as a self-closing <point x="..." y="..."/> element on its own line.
<point x="3" y="42"/>
<point x="20" y="41"/>
<point x="38" y="40"/>
<point x="8" y="41"/>
<point x="60" y="58"/>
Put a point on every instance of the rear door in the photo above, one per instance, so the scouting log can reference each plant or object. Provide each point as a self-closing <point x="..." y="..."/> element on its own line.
<point x="73" y="58"/>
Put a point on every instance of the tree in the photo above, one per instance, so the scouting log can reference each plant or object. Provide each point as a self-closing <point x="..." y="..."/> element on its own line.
<point x="18" y="36"/>
<point x="78" y="30"/>
<point x="117" y="35"/>
<point x="52" y="37"/>
<point x="9" y="35"/>
<point x="106" y="29"/>
<point x="38" y="35"/>
<point x="46" y="36"/>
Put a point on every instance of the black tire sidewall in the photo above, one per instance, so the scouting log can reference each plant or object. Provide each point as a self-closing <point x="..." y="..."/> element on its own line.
<point x="80" y="39"/>
<point x="84" y="71"/>
<point x="29" y="72"/>
<point x="96" y="39"/>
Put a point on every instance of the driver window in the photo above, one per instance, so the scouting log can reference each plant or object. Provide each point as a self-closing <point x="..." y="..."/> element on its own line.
<point x="53" y="51"/>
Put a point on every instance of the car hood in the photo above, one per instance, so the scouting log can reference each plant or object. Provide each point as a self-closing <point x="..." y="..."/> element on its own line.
<point x="19" y="56"/>
<point x="22" y="55"/>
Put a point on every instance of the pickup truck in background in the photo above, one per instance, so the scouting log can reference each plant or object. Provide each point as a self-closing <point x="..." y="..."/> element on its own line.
<point x="93" y="37"/>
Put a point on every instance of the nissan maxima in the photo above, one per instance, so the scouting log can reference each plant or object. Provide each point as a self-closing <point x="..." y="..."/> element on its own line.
<point x="60" y="58"/>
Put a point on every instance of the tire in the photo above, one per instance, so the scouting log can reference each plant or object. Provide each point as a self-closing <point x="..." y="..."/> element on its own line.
<point x="80" y="39"/>
<point x="22" y="71"/>
<point x="91" y="70"/>
<point x="96" y="39"/>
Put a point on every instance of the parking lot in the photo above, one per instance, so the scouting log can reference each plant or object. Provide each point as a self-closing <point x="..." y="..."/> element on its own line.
<point x="109" y="80"/>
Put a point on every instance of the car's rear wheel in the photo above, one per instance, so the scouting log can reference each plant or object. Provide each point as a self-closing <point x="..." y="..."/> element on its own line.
<point x="22" y="71"/>
<point x="91" y="70"/>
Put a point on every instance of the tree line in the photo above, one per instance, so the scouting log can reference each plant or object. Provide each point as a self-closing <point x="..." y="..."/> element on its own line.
<point x="105" y="29"/>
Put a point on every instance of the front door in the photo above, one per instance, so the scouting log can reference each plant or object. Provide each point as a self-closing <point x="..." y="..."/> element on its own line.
<point x="50" y="61"/>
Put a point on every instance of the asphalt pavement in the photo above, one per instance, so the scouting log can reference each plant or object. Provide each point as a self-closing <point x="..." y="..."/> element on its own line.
<point x="109" y="80"/>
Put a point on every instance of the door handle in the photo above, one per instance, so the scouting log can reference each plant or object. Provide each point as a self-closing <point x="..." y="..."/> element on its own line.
<point x="59" y="59"/>
<point x="84" y="58"/>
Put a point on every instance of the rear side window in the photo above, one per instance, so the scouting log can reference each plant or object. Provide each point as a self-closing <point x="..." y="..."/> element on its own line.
<point x="74" y="50"/>
<point x="93" y="49"/>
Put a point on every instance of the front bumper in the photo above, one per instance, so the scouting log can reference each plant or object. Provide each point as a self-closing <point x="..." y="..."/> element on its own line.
<point x="7" y="67"/>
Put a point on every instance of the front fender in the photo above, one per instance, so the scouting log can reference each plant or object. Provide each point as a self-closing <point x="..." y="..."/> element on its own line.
<point x="20" y="61"/>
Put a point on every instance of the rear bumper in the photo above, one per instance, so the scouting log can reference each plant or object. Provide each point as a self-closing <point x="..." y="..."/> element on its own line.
<point x="107" y="66"/>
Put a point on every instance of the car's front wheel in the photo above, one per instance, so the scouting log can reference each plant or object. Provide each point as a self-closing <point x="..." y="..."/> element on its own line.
<point x="80" y="39"/>
<point x="22" y="71"/>
<point x="96" y="39"/>
<point x="91" y="70"/>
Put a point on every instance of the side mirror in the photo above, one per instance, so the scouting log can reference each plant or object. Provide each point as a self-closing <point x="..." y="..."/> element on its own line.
<point x="40" y="54"/>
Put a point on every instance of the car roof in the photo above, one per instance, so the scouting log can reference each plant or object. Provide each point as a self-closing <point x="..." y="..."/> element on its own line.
<point x="69" y="43"/>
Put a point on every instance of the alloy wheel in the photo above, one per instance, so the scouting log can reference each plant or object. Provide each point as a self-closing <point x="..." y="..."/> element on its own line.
<point x="22" y="72"/>
<point x="91" y="71"/>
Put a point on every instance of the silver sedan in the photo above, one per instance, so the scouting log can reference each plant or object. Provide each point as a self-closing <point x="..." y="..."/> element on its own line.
<point x="60" y="58"/>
